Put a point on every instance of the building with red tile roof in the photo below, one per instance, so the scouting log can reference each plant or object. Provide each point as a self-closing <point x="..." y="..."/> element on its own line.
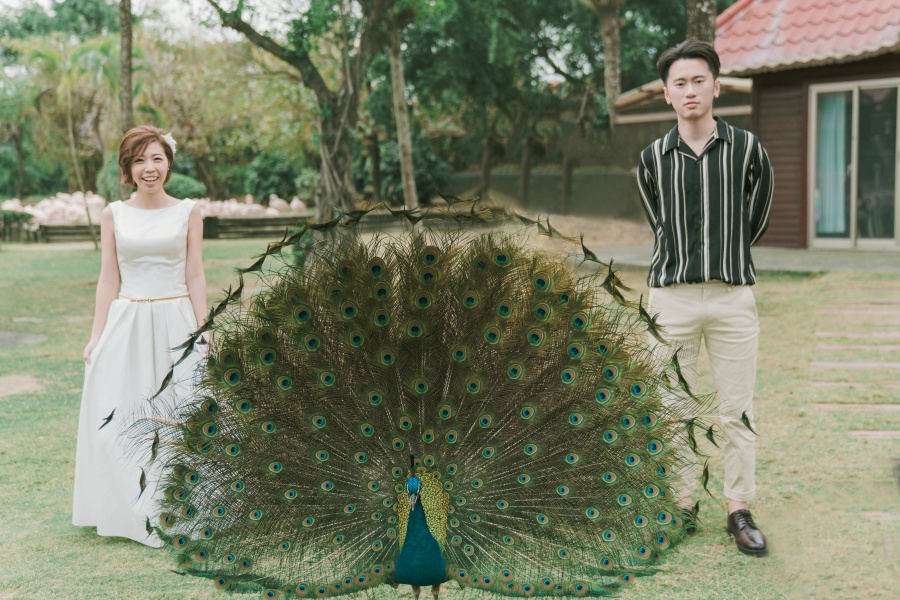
<point x="826" y="79"/>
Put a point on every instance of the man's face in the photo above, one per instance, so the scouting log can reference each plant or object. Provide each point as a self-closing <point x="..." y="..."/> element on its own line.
<point x="690" y="88"/>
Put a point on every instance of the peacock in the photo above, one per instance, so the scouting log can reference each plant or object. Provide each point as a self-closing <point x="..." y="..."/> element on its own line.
<point x="432" y="407"/>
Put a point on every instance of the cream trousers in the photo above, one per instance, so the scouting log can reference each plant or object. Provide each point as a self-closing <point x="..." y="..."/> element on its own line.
<point x="724" y="317"/>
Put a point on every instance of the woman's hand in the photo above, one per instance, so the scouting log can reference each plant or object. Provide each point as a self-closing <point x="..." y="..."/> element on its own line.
<point x="87" y="351"/>
<point x="205" y="342"/>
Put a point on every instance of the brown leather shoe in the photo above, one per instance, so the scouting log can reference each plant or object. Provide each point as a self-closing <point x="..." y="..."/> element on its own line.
<point x="749" y="539"/>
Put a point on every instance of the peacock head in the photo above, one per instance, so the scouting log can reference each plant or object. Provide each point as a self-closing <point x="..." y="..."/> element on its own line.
<point x="413" y="484"/>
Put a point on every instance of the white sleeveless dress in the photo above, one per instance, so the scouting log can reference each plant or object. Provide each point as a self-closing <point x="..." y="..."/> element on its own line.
<point x="129" y="363"/>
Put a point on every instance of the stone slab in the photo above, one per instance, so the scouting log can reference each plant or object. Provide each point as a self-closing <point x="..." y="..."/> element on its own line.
<point x="857" y="347"/>
<point x="863" y="335"/>
<point x="12" y="339"/>
<point x="853" y="384"/>
<point x="861" y="301"/>
<point x="851" y="406"/>
<point x="854" y="365"/>
<point x="888" y="312"/>
<point x="876" y="435"/>
<point x="881" y="516"/>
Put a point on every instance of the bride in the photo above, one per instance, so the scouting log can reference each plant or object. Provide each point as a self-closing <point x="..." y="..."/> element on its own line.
<point x="151" y="295"/>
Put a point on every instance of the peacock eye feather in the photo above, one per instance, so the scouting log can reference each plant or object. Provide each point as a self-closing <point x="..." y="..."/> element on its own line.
<point x="492" y="335"/>
<point x="428" y="275"/>
<point x="603" y="395"/>
<point x="232" y="377"/>
<point x="541" y="281"/>
<point x="348" y="310"/>
<point x="346" y="268"/>
<point x="381" y="317"/>
<point x="501" y="258"/>
<point x="381" y="290"/>
<point x="376" y="267"/>
<point x="423" y="300"/>
<point x="430" y="255"/>
<point x="580" y="321"/>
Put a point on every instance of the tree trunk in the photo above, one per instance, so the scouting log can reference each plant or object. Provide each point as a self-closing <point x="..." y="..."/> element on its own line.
<point x="569" y="165"/>
<point x="701" y="20"/>
<point x="401" y="116"/>
<point x="335" y="191"/>
<point x="206" y="176"/>
<point x="125" y="85"/>
<point x="19" y="141"/>
<point x="525" y="172"/>
<point x="487" y="164"/>
<point x="375" y="157"/>
<point x="78" y="179"/>
<point x="607" y="12"/>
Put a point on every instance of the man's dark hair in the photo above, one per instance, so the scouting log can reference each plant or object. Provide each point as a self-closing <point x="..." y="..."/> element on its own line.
<point x="688" y="49"/>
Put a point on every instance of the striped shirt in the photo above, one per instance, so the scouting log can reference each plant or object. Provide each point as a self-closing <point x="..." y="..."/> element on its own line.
<point x="706" y="211"/>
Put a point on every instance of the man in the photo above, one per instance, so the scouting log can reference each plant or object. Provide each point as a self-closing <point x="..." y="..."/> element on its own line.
<point x="707" y="189"/>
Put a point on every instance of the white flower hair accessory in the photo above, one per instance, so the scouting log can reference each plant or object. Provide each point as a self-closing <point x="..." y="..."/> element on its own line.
<point x="170" y="141"/>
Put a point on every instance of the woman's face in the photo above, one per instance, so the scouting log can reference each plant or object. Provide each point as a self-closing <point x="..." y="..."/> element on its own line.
<point x="149" y="169"/>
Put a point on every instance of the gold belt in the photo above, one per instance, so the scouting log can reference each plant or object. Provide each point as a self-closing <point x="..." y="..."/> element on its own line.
<point x="130" y="299"/>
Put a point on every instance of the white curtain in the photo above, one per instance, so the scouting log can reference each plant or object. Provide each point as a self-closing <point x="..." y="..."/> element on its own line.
<point x="831" y="165"/>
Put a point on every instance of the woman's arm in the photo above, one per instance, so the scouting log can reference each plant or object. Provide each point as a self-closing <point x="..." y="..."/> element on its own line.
<point x="193" y="270"/>
<point x="108" y="283"/>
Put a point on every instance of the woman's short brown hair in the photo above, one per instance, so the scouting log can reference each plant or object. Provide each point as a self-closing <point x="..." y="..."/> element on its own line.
<point x="134" y="144"/>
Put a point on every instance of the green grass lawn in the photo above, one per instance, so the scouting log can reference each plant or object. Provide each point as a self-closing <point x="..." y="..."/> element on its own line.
<point x="815" y="479"/>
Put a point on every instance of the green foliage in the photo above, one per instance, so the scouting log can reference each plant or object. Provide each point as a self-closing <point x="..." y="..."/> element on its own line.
<point x="432" y="172"/>
<point x="271" y="173"/>
<point x="184" y="186"/>
<point x="13" y="216"/>
<point x="306" y="183"/>
<point x="81" y="19"/>
<point x="108" y="178"/>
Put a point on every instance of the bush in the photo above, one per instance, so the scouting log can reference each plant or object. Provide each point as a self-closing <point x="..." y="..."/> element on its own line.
<point x="432" y="172"/>
<point x="307" y="183"/>
<point x="108" y="178"/>
<point x="271" y="173"/>
<point x="184" y="186"/>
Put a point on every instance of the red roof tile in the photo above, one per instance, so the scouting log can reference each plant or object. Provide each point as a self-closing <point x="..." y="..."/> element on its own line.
<point x="757" y="36"/>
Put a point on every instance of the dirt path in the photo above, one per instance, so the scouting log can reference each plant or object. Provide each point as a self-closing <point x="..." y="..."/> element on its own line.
<point x="11" y="385"/>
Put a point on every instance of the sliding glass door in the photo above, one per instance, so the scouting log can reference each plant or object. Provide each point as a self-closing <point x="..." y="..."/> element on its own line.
<point x="854" y="193"/>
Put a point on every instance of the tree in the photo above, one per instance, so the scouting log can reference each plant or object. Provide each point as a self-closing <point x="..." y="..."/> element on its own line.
<point x="701" y="20"/>
<point x="218" y="131"/>
<point x="401" y="113"/>
<point x="607" y="11"/>
<point x="125" y="85"/>
<point x="63" y="64"/>
<point x="17" y="106"/>
<point x="352" y="29"/>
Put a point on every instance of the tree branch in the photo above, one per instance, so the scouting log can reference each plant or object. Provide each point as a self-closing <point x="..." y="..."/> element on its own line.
<point x="297" y="58"/>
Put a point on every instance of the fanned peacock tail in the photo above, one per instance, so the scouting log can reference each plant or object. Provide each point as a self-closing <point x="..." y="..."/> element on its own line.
<point x="539" y="423"/>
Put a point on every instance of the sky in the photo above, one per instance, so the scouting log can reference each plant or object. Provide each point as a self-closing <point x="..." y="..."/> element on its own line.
<point x="177" y="16"/>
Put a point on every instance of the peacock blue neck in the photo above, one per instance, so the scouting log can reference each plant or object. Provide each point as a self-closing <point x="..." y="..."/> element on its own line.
<point x="421" y="560"/>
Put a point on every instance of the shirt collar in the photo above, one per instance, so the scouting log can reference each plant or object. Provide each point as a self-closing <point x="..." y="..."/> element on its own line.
<point x="722" y="131"/>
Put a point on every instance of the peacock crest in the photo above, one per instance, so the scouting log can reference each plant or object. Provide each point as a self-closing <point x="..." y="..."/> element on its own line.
<point x="538" y="421"/>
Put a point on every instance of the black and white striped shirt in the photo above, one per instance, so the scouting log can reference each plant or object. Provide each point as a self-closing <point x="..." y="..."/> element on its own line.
<point x="705" y="211"/>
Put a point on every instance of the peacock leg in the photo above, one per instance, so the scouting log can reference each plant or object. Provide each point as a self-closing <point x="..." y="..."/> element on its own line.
<point x="416" y="591"/>
<point x="435" y="590"/>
